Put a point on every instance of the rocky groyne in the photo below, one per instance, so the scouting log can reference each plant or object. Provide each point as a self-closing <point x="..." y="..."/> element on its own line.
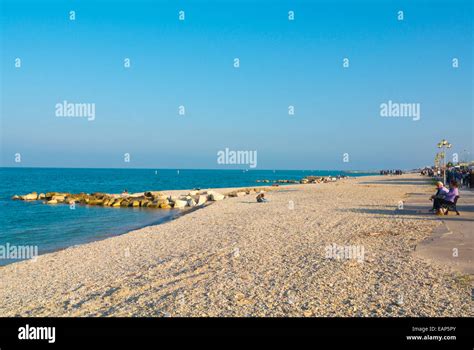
<point x="148" y="199"/>
<point x="305" y="180"/>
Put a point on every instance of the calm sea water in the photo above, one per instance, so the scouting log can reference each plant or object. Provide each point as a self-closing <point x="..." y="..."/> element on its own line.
<point x="53" y="227"/>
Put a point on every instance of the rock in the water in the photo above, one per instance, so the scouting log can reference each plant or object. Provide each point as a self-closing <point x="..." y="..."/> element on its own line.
<point x="30" y="196"/>
<point x="41" y="196"/>
<point x="50" y="195"/>
<point x="52" y="201"/>
<point x="135" y="203"/>
<point x="58" y="197"/>
<point x="16" y="197"/>
<point x="179" y="203"/>
<point x="165" y="205"/>
<point x="154" y="195"/>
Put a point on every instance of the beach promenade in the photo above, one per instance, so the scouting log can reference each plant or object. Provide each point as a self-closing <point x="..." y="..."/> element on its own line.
<point x="452" y="243"/>
<point x="356" y="247"/>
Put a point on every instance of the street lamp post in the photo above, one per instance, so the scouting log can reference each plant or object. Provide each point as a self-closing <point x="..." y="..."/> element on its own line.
<point x="444" y="145"/>
<point x="436" y="160"/>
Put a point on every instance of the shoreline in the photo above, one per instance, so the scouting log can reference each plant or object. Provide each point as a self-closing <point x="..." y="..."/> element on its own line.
<point x="238" y="257"/>
<point x="178" y="212"/>
<point x="99" y="238"/>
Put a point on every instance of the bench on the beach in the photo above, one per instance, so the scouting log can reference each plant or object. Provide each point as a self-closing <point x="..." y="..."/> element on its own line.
<point x="451" y="206"/>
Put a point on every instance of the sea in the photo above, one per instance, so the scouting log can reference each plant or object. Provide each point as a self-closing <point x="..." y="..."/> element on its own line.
<point x="53" y="227"/>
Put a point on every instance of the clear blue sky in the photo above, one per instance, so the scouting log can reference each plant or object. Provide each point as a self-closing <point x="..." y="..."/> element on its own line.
<point x="190" y="63"/>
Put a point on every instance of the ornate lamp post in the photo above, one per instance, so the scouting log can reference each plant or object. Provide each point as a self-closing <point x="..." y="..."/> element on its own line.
<point x="436" y="160"/>
<point x="444" y="145"/>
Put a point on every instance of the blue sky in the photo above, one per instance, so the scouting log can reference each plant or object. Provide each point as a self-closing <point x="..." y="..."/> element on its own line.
<point x="190" y="63"/>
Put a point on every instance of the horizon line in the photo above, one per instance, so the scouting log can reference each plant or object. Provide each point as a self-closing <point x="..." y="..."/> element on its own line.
<point x="238" y="169"/>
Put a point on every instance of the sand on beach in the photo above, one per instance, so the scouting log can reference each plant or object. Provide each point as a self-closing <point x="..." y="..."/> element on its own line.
<point x="238" y="257"/>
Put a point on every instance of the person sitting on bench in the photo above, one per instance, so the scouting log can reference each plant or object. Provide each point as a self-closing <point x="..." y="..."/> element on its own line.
<point x="441" y="191"/>
<point x="448" y="199"/>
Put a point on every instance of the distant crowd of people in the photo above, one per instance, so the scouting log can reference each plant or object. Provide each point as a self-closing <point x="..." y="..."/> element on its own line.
<point x="429" y="172"/>
<point x="463" y="176"/>
<point x="391" y="172"/>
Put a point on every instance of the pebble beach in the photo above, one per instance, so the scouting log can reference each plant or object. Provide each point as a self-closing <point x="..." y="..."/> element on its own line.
<point x="237" y="257"/>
